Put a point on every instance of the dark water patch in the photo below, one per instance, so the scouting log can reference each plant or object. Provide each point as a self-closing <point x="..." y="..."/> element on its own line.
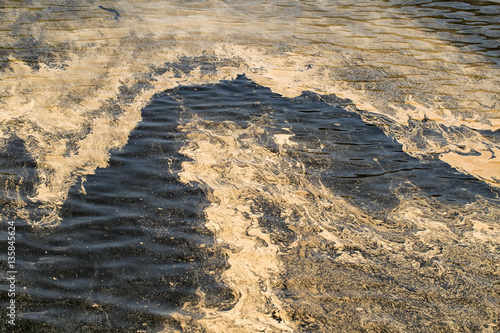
<point x="129" y="251"/>
<point x="18" y="176"/>
<point x="18" y="179"/>
<point x="354" y="158"/>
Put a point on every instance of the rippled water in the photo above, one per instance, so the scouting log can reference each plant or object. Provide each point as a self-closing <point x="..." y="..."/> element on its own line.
<point x="205" y="166"/>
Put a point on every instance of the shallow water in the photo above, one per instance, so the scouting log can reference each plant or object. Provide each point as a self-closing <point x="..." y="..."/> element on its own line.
<point x="263" y="166"/>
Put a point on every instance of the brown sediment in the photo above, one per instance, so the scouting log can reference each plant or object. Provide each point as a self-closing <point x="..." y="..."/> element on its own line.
<point x="226" y="160"/>
<point x="486" y="166"/>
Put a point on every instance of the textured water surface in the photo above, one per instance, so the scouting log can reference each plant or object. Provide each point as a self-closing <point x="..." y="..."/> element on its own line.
<point x="266" y="166"/>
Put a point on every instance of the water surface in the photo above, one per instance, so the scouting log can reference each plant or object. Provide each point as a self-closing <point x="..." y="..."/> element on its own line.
<point x="251" y="166"/>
